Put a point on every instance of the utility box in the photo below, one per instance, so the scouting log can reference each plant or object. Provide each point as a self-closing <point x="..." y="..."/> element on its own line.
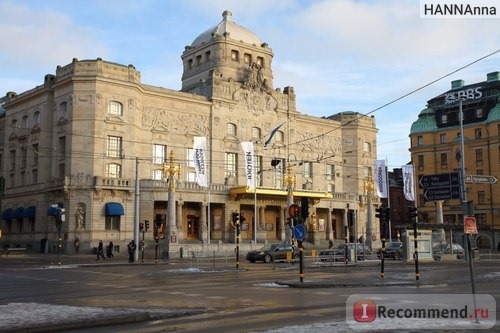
<point x="424" y="245"/>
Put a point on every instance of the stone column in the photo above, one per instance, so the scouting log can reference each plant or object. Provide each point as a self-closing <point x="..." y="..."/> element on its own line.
<point x="329" y="228"/>
<point x="261" y="228"/>
<point x="180" y="231"/>
<point x="439" y="220"/>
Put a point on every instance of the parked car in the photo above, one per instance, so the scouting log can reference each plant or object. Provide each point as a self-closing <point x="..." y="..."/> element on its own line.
<point x="338" y="254"/>
<point x="440" y="249"/>
<point x="393" y="250"/>
<point x="271" y="252"/>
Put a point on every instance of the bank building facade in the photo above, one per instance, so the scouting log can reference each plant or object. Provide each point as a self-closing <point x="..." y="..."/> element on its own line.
<point x="93" y="153"/>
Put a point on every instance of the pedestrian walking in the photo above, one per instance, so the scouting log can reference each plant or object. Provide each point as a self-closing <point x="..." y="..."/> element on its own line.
<point x="109" y="251"/>
<point x="131" y="250"/>
<point x="76" y="244"/>
<point x="100" y="251"/>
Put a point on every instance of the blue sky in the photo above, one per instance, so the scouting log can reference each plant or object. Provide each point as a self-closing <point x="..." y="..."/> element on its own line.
<point x="339" y="55"/>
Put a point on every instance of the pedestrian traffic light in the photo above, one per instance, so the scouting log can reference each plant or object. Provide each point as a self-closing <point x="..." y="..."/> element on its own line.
<point x="146" y="223"/>
<point x="412" y="212"/>
<point x="141" y="226"/>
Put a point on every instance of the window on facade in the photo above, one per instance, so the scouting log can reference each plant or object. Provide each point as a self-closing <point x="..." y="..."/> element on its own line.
<point x="420" y="140"/>
<point x="479" y="113"/>
<point x="62" y="147"/>
<point x="34" y="176"/>
<point x="479" y="172"/>
<point x="278" y="172"/>
<point x="12" y="160"/>
<point x="235" y="55"/>
<point x="442" y="137"/>
<point x="247" y="58"/>
<point x="367" y="147"/>
<point x="34" y="148"/>
<point x="158" y="174"/>
<point x="481" y="197"/>
<point x="480" y="219"/>
<point x="444" y="118"/>
<point x="420" y="161"/>
<point x="23" y="178"/>
<point x="231" y="129"/>
<point x="159" y="154"/>
<point x="479" y="155"/>
<point x="208" y="56"/>
<point x="13" y="124"/>
<point x="230" y="165"/>
<point x="36" y="118"/>
<point x="190" y="172"/>
<point x="257" y="164"/>
<point x="115" y="108"/>
<point x="330" y="187"/>
<point x="330" y="172"/>
<point x="24" y="122"/>
<point x="112" y="222"/>
<point x="113" y="146"/>
<point x="367" y="172"/>
<point x="279" y="136"/>
<point x="308" y="170"/>
<point x="477" y="133"/>
<point x="113" y="170"/>
<point x="444" y="159"/>
<point x="62" y="170"/>
<point x="190" y="64"/>
<point x="63" y="108"/>
<point x="24" y="157"/>
<point x="198" y="59"/>
<point x="256" y="133"/>
<point x="260" y="61"/>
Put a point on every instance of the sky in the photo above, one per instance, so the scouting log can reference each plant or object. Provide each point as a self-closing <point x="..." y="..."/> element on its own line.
<point x="339" y="55"/>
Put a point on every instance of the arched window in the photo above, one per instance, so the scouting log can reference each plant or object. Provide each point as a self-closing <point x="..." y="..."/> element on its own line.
<point x="115" y="108"/>
<point x="256" y="133"/>
<point x="24" y="122"/>
<point x="36" y="118"/>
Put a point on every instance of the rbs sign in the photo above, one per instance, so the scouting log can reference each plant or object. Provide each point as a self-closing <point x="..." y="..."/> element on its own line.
<point x="472" y="93"/>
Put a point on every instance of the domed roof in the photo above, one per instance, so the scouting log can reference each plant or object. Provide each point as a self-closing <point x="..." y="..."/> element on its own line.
<point x="426" y="122"/>
<point x="494" y="114"/>
<point x="229" y="28"/>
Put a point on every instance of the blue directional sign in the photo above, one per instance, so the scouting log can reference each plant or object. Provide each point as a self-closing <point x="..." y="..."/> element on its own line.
<point x="441" y="186"/>
<point x="299" y="231"/>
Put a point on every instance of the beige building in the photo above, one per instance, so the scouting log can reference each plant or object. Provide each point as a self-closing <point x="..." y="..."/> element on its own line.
<point x="115" y="152"/>
<point x="436" y="150"/>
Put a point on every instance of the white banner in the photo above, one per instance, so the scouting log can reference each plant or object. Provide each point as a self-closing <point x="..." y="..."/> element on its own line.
<point x="381" y="178"/>
<point x="249" y="168"/>
<point x="199" y="149"/>
<point x="408" y="186"/>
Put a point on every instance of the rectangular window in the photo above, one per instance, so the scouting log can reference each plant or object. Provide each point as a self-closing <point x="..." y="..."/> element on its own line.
<point x="330" y="172"/>
<point x="481" y="197"/>
<point x="235" y="55"/>
<point x="230" y="165"/>
<point x="444" y="118"/>
<point x="158" y="174"/>
<point x="62" y="170"/>
<point x="420" y="162"/>
<point x="62" y="147"/>
<point x="12" y="160"/>
<point x="24" y="156"/>
<point x="479" y="155"/>
<point x="260" y="61"/>
<point x="308" y="170"/>
<point x="420" y="140"/>
<point x="112" y="222"/>
<point x="35" y="148"/>
<point x="159" y="154"/>
<point x="444" y="159"/>
<point x="442" y="137"/>
<point x="479" y="172"/>
<point x="257" y="164"/>
<point x="367" y="147"/>
<point x="367" y="172"/>
<point x="278" y="167"/>
<point x="477" y="133"/>
<point x="114" y="146"/>
<point x="113" y="170"/>
<point x="247" y="58"/>
<point x="198" y="59"/>
<point x="479" y="113"/>
<point x="231" y="129"/>
<point x="256" y="133"/>
<point x="34" y="176"/>
<point x="115" y="108"/>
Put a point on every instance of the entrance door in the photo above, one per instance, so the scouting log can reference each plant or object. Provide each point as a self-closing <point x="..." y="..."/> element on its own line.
<point x="192" y="227"/>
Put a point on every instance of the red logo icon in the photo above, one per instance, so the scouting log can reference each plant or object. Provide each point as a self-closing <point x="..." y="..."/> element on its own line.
<point x="364" y="311"/>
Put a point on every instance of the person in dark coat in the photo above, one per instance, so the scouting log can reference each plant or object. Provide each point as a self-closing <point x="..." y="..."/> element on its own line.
<point x="131" y="250"/>
<point x="100" y="251"/>
<point x="109" y="251"/>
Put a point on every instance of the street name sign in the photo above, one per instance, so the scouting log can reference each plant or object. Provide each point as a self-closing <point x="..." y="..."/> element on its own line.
<point x="442" y="193"/>
<point x="480" y="179"/>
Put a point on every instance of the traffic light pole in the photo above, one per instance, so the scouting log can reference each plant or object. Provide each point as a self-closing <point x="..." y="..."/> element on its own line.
<point x="237" y="245"/>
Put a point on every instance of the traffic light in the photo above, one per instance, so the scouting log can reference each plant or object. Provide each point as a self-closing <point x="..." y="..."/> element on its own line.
<point x="141" y="226"/>
<point x="146" y="223"/>
<point x="383" y="214"/>
<point x="242" y="218"/>
<point x="413" y="212"/>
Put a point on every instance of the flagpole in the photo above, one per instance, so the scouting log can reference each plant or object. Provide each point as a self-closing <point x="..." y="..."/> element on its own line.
<point x="388" y="196"/>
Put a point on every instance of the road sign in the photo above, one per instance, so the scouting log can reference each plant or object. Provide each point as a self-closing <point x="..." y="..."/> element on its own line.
<point x="439" y="180"/>
<point x="480" y="179"/>
<point x="299" y="231"/>
<point x="470" y="226"/>
<point x="442" y="193"/>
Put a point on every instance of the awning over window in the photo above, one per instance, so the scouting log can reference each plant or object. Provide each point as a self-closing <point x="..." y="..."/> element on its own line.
<point x="53" y="211"/>
<point x="30" y="212"/>
<point x="114" y="209"/>
<point x="7" y="214"/>
<point x="18" y="213"/>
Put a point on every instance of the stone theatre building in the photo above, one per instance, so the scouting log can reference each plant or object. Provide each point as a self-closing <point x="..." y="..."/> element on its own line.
<point x="113" y="151"/>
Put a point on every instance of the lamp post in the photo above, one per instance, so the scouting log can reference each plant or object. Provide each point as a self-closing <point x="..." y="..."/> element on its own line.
<point x="289" y="181"/>
<point x="169" y="171"/>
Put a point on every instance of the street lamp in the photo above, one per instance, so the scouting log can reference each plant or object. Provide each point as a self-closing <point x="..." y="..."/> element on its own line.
<point x="169" y="171"/>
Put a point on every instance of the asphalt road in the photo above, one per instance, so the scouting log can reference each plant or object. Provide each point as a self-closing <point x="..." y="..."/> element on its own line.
<point x="253" y="298"/>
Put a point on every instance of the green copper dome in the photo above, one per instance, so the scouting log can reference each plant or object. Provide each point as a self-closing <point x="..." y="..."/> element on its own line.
<point x="426" y="122"/>
<point x="494" y="114"/>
